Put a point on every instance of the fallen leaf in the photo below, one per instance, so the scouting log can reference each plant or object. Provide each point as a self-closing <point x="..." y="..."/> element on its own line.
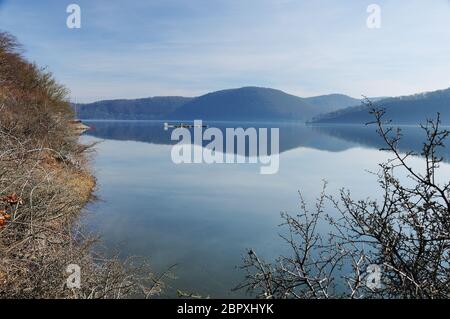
<point x="12" y="199"/>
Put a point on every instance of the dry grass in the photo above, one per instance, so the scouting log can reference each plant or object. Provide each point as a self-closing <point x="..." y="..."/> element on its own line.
<point x="44" y="185"/>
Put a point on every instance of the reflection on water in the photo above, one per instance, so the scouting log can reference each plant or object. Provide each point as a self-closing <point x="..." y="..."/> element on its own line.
<point x="333" y="138"/>
<point x="203" y="217"/>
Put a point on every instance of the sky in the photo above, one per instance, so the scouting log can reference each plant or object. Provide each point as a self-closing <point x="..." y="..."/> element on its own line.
<point x="142" y="48"/>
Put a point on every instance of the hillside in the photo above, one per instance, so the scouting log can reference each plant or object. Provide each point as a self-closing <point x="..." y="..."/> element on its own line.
<point x="411" y="109"/>
<point x="45" y="183"/>
<point x="139" y="109"/>
<point x="332" y="102"/>
<point x="248" y="103"/>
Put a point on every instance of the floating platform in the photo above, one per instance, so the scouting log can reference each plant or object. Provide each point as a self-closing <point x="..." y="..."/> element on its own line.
<point x="183" y="125"/>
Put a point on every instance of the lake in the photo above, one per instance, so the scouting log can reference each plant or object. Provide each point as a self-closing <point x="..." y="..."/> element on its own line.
<point x="202" y="218"/>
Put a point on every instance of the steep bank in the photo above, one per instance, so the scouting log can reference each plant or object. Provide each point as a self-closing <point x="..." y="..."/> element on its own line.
<point x="44" y="184"/>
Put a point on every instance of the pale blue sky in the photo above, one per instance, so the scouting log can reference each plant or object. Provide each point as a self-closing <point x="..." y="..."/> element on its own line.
<point x="140" y="48"/>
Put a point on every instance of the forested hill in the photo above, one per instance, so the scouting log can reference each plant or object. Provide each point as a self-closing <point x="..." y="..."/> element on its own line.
<point x="332" y="102"/>
<point x="411" y="109"/>
<point x="247" y="103"/>
<point x="139" y="109"/>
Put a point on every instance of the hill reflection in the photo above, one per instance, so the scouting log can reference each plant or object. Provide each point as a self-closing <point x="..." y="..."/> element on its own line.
<point x="331" y="138"/>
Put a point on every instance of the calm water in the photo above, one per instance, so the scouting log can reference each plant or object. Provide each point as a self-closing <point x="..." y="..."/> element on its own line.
<point x="203" y="217"/>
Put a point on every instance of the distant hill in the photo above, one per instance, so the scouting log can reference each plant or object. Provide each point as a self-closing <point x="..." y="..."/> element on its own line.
<point x="413" y="109"/>
<point x="139" y="109"/>
<point x="247" y="103"/>
<point x="332" y="102"/>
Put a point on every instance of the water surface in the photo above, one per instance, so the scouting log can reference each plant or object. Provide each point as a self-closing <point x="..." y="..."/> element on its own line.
<point x="203" y="217"/>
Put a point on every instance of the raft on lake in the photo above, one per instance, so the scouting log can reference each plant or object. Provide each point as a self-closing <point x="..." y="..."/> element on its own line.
<point x="183" y="125"/>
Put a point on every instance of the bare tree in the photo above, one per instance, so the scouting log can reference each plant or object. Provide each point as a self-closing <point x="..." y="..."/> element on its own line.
<point x="396" y="247"/>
